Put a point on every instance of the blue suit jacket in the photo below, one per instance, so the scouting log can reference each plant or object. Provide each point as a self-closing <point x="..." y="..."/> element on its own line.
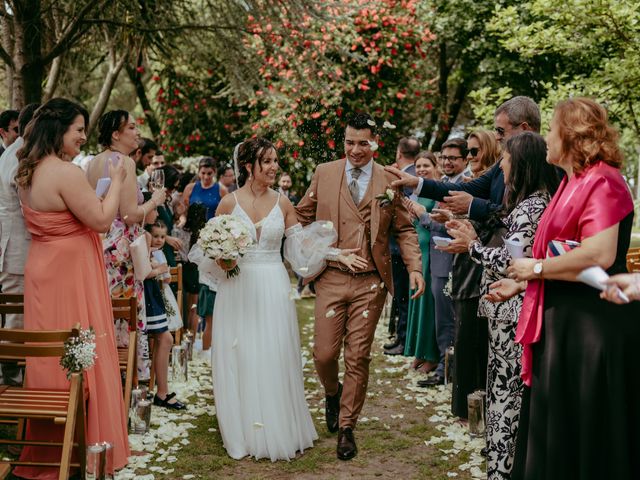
<point x="393" y="245"/>
<point x="487" y="190"/>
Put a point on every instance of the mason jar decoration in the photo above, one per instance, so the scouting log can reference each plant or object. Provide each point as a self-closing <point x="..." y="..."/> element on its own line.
<point x="179" y="364"/>
<point x="476" y="414"/>
<point x="143" y="417"/>
<point x="96" y="462"/>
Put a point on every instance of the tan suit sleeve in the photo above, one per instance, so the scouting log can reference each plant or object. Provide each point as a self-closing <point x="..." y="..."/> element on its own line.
<point x="306" y="208"/>
<point x="406" y="236"/>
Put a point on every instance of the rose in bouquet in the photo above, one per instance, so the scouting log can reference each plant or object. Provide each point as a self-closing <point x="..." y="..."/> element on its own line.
<point x="225" y="238"/>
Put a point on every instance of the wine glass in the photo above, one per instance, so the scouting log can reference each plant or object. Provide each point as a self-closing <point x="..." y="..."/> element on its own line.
<point x="157" y="179"/>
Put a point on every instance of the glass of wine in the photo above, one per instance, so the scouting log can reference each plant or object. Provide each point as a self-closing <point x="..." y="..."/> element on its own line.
<point x="157" y="179"/>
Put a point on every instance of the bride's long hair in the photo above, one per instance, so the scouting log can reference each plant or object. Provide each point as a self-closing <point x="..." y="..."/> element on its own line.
<point x="250" y="153"/>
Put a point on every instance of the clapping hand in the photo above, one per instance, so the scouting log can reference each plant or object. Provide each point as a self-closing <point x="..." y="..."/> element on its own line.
<point x="458" y="202"/>
<point x="415" y="209"/>
<point x="404" y="179"/>
<point x="627" y="283"/>
<point x="462" y="233"/>
<point x="354" y="262"/>
<point x="503" y="290"/>
<point x="116" y="170"/>
<point x="441" y="215"/>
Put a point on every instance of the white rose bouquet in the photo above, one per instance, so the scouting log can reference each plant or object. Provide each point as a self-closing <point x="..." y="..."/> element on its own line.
<point x="225" y="238"/>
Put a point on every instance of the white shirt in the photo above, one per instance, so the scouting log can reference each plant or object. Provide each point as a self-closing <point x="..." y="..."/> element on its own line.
<point x="363" y="179"/>
<point x="14" y="237"/>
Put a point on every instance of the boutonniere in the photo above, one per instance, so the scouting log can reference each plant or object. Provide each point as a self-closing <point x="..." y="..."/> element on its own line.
<point x="386" y="198"/>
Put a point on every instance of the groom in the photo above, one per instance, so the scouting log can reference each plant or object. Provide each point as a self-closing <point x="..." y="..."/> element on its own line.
<point x="348" y="304"/>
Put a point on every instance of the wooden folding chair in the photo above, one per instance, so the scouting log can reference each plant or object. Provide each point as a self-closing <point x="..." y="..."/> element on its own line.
<point x="63" y="407"/>
<point x="127" y="308"/>
<point x="11" y="303"/>
<point x="633" y="260"/>
<point x="176" y="277"/>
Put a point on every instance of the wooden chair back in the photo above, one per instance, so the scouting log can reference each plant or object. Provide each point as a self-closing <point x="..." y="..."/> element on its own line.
<point x="59" y="406"/>
<point x="127" y="308"/>
<point x="10" y="303"/>
<point x="633" y="259"/>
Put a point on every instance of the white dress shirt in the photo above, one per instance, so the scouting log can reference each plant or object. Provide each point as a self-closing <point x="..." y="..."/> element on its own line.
<point x="14" y="237"/>
<point x="363" y="179"/>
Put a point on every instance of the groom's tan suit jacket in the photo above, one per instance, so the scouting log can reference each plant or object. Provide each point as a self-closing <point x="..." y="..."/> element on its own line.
<point x="328" y="198"/>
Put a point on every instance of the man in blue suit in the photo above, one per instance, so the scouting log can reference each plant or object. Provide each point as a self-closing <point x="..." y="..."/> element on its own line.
<point x="406" y="154"/>
<point x="454" y="155"/>
<point x="484" y="195"/>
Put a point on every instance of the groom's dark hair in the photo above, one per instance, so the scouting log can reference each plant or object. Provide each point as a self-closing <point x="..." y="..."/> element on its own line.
<point x="363" y="121"/>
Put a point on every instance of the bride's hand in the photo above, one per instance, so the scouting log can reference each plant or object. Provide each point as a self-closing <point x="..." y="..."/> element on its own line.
<point x="227" y="265"/>
<point x="351" y="260"/>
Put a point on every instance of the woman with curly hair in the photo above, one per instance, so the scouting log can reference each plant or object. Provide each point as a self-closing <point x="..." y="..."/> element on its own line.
<point x="580" y="415"/>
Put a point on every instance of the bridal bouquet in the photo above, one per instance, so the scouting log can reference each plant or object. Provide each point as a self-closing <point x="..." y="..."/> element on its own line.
<point x="225" y="238"/>
<point x="79" y="352"/>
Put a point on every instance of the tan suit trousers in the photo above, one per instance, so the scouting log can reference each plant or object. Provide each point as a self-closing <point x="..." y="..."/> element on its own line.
<point x="347" y="311"/>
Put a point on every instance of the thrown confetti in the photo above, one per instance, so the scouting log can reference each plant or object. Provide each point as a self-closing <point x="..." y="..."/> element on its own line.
<point x="371" y="122"/>
<point x="330" y="313"/>
<point x="373" y="145"/>
<point x="388" y="125"/>
<point x="365" y="314"/>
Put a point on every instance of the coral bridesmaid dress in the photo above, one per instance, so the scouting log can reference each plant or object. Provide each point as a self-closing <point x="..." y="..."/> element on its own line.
<point x="65" y="284"/>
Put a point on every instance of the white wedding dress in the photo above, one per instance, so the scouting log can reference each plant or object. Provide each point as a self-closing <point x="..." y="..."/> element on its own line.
<point x="257" y="369"/>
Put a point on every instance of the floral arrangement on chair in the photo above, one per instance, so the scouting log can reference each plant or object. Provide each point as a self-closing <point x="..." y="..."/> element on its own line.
<point x="79" y="352"/>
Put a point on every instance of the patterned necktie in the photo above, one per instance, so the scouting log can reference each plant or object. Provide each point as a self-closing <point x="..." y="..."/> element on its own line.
<point x="353" y="185"/>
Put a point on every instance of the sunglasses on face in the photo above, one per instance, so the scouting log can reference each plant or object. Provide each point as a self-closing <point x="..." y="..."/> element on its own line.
<point x="474" y="152"/>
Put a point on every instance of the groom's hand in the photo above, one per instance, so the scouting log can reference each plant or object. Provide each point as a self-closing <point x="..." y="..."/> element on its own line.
<point x="404" y="179"/>
<point x="416" y="282"/>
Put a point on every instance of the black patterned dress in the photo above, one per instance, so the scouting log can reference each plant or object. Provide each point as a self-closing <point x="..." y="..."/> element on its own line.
<point x="504" y="385"/>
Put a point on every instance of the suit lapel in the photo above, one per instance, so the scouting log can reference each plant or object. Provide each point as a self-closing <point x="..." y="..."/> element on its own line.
<point x="377" y="186"/>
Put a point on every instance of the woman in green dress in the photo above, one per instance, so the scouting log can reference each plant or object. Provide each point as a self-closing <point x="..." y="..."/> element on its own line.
<point x="421" y="330"/>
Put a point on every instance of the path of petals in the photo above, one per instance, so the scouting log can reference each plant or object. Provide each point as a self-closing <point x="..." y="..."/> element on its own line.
<point x="169" y="431"/>
<point x="439" y="398"/>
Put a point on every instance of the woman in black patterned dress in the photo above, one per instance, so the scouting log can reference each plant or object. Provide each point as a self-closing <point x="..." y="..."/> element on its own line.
<point x="530" y="182"/>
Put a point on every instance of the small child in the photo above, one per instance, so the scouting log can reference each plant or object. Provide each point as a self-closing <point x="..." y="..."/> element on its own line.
<point x="206" y="295"/>
<point x="158" y="239"/>
<point x="157" y="325"/>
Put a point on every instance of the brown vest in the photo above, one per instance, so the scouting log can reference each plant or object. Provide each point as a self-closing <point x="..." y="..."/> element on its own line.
<point x="354" y="230"/>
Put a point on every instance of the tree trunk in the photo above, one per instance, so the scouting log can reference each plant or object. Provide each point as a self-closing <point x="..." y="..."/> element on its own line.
<point x="141" y="92"/>
<point x="52" y="79"/>
<point x="115" y="66"/>
<point x="7" y="44"/>
<point x="27" y="56"/>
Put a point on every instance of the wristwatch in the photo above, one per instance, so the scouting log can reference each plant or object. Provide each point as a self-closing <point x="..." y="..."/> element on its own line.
<point x="537" y="269"/>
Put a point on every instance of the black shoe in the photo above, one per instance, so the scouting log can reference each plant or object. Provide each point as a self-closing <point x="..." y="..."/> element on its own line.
<point x="332" y="409"/>
<point x="397" y="350"/>
<point x="177" y="405"/>
<point x="484" y="452"/>
<point x="346" y="444"/>
<point x="431" y="381"/>
<point x="390" y="345"/>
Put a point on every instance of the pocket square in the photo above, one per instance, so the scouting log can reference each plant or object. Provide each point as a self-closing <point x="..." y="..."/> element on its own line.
<point x="560" y="247"/>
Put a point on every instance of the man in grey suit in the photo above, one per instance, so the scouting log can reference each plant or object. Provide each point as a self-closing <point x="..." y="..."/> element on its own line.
<point x="406" y="153"/>
<point x="454" y="155"/>
<point x="14" y="238"/>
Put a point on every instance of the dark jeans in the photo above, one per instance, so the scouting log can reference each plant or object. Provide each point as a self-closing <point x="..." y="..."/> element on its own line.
<point x="400" y="296"/>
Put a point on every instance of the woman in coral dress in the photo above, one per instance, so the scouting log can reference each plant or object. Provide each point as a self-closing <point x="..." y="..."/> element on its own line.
<point x="65" y="281"/>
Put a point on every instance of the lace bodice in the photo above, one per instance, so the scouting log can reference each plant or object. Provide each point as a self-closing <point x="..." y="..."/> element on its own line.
<point x="268" y="232"/>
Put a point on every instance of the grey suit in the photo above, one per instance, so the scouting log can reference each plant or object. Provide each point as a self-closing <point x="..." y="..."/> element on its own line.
<point x="440" y="265"/>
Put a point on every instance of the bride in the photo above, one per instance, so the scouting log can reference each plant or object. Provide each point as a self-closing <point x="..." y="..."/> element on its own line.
<point x="257" y="369"/>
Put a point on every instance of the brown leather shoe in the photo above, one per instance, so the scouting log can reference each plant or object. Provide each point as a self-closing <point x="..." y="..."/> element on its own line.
<point x="346" y="444"/>
<point x="332" y="410"/>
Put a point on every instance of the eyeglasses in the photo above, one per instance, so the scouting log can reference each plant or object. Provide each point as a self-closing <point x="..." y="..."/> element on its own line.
<point x="451" y="158"/>
<point x="474" y="152"/>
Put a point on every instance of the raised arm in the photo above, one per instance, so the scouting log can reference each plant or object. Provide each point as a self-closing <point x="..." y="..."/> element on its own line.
<point x="306" y="208"/>
<point x="82" y="201"/>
